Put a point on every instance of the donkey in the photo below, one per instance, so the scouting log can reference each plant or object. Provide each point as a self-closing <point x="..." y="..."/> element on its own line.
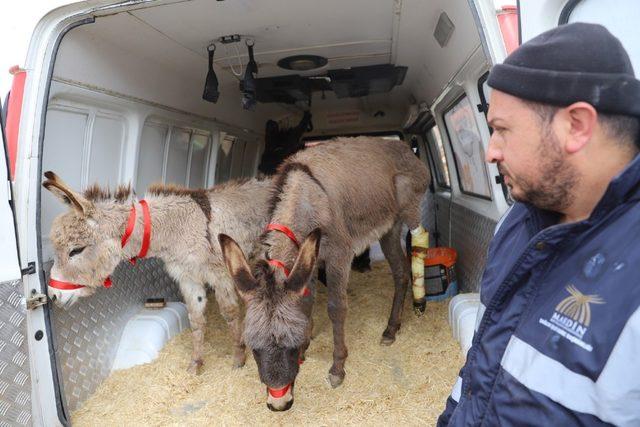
<point x="347" y="193"/>
<point x="174" y="224"/>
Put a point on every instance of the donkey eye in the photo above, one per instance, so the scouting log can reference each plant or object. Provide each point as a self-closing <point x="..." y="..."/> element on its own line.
<point x="76" y="251"/>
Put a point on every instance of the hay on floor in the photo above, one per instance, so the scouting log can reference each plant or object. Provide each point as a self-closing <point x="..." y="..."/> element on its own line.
<point x="406" y="383"/>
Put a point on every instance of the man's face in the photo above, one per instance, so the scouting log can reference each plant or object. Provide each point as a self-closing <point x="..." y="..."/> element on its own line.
<point x="530" y="154"/>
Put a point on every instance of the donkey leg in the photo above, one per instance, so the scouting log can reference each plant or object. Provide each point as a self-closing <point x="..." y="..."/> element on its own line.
<point x="196" y="299"/>
<point x="337" y="277"/>
<point x="230" y="309"/>
<point x="390" y="244"/>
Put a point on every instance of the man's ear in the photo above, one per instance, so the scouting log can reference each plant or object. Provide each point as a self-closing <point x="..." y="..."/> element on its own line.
<point x="582" y="120"/>
<point x="305" y="263"/>
<point x="63" y="192"/>
<point x="237" y="265"/>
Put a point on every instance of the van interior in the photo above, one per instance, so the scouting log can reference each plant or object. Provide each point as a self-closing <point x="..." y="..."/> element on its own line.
<point x="132" y="99"/>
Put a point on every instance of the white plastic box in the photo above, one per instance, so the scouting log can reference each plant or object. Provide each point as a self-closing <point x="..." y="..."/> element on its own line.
<point x="147" y="332"/>
<point x="463" y="310"/>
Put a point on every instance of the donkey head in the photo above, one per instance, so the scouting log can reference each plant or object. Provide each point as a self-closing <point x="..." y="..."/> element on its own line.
<point x="85" y="240"/>
<point x="276" y="327"/>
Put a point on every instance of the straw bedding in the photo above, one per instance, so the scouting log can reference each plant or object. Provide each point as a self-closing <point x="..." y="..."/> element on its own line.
<point x="406" y="383"/>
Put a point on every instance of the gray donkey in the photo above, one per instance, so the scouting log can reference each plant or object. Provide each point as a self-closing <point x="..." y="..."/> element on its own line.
<point x="174" y="224"/>
<point x="352" y="192"/>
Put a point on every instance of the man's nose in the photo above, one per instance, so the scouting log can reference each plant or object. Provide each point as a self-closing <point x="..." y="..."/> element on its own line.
<point x="494" y="152"/>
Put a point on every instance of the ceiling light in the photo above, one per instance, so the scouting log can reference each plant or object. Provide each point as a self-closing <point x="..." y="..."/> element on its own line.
<point x="302" y="62"/>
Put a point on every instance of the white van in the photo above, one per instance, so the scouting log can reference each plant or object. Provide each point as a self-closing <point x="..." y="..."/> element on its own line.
<point x="111" y="92"/>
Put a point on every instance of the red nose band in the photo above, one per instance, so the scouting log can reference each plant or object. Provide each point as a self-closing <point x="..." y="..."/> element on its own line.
<point x="68" y="286"/>
<point x="65" y="286"/>
<point x="277" y="393"/>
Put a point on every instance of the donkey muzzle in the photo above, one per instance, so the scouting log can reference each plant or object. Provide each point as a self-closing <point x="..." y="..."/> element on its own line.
<point x="280" y="399"/>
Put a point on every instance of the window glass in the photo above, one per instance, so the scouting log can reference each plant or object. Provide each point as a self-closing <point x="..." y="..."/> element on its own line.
<point x="199" y="157"/>
<point x="151" y="156"/>
<point x="223" y="168"/>
<point x="249" y="160"/>
<point x="434" y="141"/>
<point x="237" y="156"/>
<point x="178" y="156"/>
<point x="63" y="146"/>
<point x="466" y="143"/>
<point x="106" y="151"/>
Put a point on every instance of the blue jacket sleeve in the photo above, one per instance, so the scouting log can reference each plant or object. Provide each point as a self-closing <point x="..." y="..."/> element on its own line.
<point x="452" y="401"/>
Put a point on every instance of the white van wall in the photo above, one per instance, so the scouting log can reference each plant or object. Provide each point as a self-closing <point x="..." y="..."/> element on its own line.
<point x="94" y="137"/>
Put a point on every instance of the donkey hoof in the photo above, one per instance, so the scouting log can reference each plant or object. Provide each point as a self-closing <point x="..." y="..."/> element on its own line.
<point x="419" y="308"/>
<point x="335" y="380"/>
<point x="387" y="340"/>
<point x="239" y="359"/>
<point x="195" y="367"/>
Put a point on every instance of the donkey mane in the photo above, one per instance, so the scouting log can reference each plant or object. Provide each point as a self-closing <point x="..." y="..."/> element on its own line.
<point x="281" y="180"/>
<point x="95" y="193"/>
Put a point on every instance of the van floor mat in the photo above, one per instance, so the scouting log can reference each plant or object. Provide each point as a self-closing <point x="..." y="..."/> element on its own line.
<point x="407" y="382"/>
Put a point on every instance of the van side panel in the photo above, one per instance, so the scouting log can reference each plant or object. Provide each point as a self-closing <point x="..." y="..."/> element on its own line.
<point x="15" y="381"/>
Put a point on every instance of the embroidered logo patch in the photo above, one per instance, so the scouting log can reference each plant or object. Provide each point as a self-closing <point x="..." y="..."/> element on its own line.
<point x="572" y="316"/>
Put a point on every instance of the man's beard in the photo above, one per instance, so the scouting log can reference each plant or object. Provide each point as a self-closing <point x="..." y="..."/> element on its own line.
<point x="552" y="188"/>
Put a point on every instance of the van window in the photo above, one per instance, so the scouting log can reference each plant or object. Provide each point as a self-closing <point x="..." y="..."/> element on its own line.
<point x="620" y="17"/>
<point x="435" y="147"/>
<point x="107" y="144"/>
<point x="184" y="164"/>
<point x="200" y="147"/>
<point x="223" y="169"/>
<point x="178" y="157"/>
<point x="466" y="143"/>
<point x="151" y="156"/>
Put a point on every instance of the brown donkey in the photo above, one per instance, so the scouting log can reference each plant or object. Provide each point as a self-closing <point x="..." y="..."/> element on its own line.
<point x="352" y="191"/>
<point x="174" y="224"/>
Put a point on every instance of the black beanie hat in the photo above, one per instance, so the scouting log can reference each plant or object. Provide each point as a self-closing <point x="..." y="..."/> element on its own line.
<point x="571" y="63"/>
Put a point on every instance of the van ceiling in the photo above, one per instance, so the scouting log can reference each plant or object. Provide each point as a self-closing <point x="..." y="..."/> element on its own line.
<point x="353" y="33"/>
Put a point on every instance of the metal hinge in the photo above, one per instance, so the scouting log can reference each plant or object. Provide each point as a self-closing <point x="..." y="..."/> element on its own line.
<point x="36" y="300"/>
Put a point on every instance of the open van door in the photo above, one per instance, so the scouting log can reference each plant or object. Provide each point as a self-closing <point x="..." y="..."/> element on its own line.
<point x="620" y="18"/>
<point x="9" y="265"/>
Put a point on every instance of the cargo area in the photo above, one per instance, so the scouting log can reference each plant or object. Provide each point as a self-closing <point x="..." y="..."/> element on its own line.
<point x="125" y="105"/>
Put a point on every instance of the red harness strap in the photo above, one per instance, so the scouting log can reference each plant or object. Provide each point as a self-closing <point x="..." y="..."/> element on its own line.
<point x="131" y="224"/>
<point x="284" y="229"/>
<point x="277" y="263"/>
<point x="146" y="233"/>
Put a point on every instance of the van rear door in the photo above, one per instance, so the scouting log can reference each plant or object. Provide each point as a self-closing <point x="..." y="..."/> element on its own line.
<point x="9" y="265"/>
<point x="620" y="17"/>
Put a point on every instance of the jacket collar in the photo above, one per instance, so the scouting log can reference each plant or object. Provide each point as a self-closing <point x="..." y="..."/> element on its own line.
<point x="625" y="187"/>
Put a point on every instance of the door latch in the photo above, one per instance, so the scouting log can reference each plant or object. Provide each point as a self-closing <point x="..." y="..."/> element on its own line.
<point x="36" y="300"/>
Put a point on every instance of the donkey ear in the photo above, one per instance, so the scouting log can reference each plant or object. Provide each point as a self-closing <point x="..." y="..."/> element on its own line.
<point x="63" y="192"/>
<point x="237" y="264"/>
<point x="306" y="261"/>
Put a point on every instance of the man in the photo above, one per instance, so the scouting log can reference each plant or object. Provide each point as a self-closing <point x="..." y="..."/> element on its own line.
<point x="560" y="335"/>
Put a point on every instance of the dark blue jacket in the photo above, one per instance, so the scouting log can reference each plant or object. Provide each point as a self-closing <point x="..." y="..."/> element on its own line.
<point x="559" y="341"/>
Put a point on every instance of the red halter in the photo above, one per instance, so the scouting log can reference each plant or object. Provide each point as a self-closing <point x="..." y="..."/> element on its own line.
<point x="277" y="263"/>
<point x="131" y="223"/>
